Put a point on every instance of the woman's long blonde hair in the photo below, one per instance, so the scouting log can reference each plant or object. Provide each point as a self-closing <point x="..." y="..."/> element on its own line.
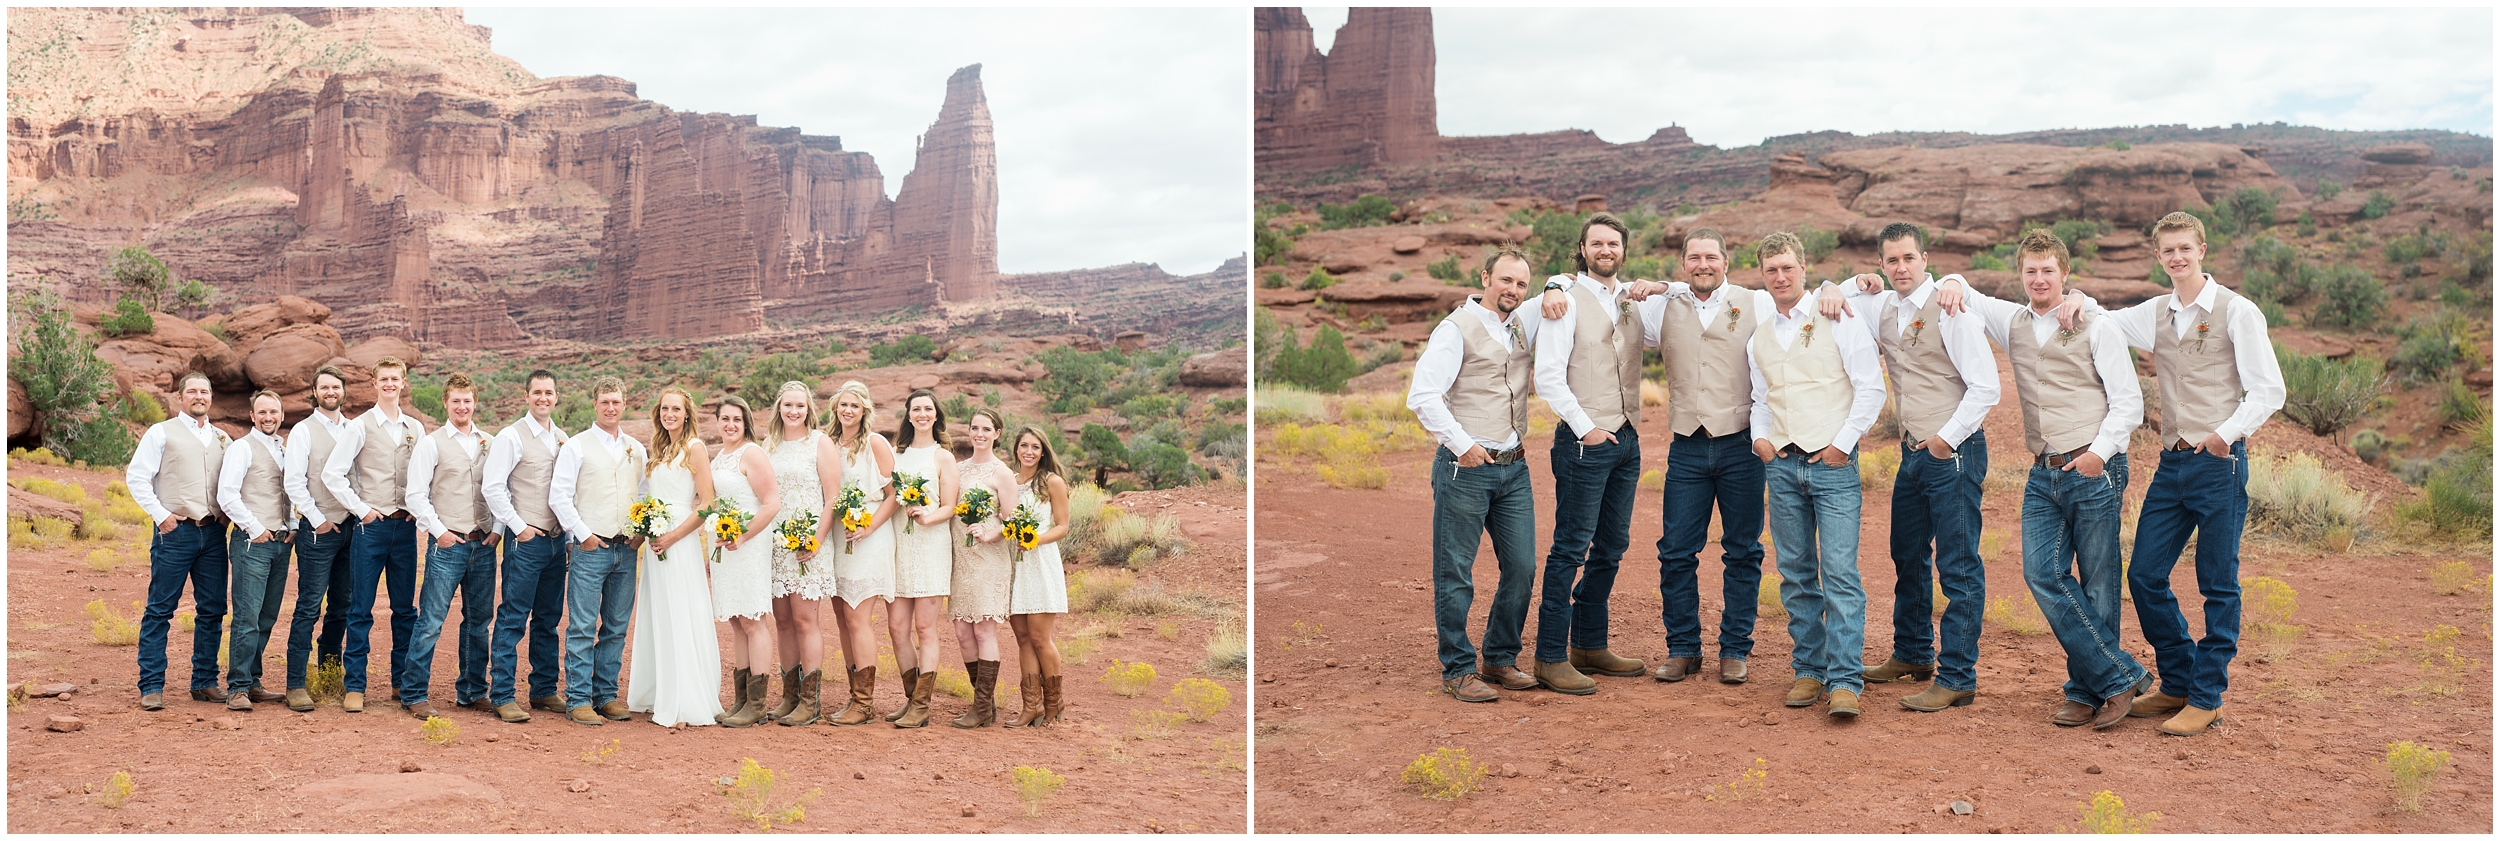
<point x="773" y="426"/>
<point x="867" y="416"/>
<point x="664" y="446"/>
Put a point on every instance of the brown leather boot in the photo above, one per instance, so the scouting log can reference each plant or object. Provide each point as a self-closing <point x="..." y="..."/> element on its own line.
<point x="2156" y="705"/>
<point x="1603" y="662"/>
<point x="1936" y="698"/>
<point x="916" y="710"/>
<point x="1561" y="677"/>
<point x="1804" y="692"/>
<point x="759" y="687"/>
<point x="1895" y="671"/>
<point x="789" y="694"/>
<point x="1053" y="703"/>
<point x="1844" y="704"/>
<point x="1676" y="669"/>
<point x="1029" y="689"/>
<point x="2190" y="721"/>
<point x="809" y="708"/>
<point x="984" y="696"/>
<point x="911" y="678"/>
<point x="863" y="706"/>
<point x="737" y="685"/>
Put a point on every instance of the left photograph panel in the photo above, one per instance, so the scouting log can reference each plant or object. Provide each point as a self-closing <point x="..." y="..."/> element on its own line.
<point x="627" y="420"/>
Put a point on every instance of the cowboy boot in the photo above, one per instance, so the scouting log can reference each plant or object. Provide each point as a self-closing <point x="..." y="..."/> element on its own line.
<point x="1052" y="702"/>
<point x="916" y="710"/>
<point x="737" y="684"/>
<point x="984" y="696"/>
<point x="863" y="706"/>
<point x="789" y="695"/>
<point x="759" y="687"/>
<point x="810" y="708"/>
<point x="1029" y="688"/>
<point x="911" y="678"/>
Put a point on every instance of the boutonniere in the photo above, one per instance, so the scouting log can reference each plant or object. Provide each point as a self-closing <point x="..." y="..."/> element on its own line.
<point x="1623" y="309"/>
<point x="1917" y="326"/>
<point x="408" y="439"/>
<point x="2204" y="330"/>
<point x="2065" y="336"/>
<point x="1733" y="312"/>
<point x="1805" y="334"/>
<point x="481" y="446"/>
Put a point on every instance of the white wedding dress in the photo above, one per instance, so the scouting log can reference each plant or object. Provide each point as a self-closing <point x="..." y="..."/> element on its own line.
<point x="676" y="671"/>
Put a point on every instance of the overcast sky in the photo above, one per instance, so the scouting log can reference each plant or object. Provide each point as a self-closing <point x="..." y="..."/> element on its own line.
<point x="1732" y="78"/>
<point x="1123" y="134"/>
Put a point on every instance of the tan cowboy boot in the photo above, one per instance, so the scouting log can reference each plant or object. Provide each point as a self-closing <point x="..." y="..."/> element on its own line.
<point x="738" y="685"/>
<point x="916" y="710"/>
<point x="759" y="687"/>
<point x="862" y="708"/>
<point x="2190" y="721"/>
<point x="809" y="708"/>
<point x="1603" y="662"/>
<point x="911" y="678"/>
<point x="789" y="695"/>
<point x="1029" y="689"/>
<point x="984" y="696"/>
<point x="1804" y="692"/>
<point x="1053" y="703"/>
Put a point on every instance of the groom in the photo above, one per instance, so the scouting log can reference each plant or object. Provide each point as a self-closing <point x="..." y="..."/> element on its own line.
<point x="598" y="476"/>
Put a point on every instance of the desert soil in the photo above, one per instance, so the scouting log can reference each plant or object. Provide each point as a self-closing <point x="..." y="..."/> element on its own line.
<point x="199" y="768"/>
<point x="1349" y="691"/>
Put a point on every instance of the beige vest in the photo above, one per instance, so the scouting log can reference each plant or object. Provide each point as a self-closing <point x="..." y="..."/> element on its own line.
<point x="380" y="474"/>
<point x="2200" y="386"/>
<point x="186" y="477"/>
<point x="604" y="490"/>
<point x="532" y="477"/>
<point x="1810" y="389"/>
<point x="1926" y="388"/>
<point x="264" y="488"/>
<point x="315" y="437"/>
<point x="1708" y="386"/>
<point x="1604" y="371"/>
<point x="459" y="482"/>
<point x="1490" y="396"/>
<point x="2062" y="393"/>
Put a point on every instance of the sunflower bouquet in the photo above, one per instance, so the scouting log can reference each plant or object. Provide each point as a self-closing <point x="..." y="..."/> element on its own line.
<point x="911" y="491"/>
<point x="798" y="534"/>
<point x="643" y="519"/>
<point x="978" y="504"/>
<point x="728" y="524"/>
<point x="1024" y="530"/>
<point x="852" y="509"/>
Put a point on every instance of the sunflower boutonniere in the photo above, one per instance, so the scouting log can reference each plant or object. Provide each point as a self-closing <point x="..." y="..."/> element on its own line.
<point x="2204" y="330"/>
<point x="1623" y="309"/>
<point x="1917" y="326"/>
<point x="2065" y="336"/>
<point x="482" y="445"/>
<point x="1733" y="313"/>
<point x="1805" y="334"/>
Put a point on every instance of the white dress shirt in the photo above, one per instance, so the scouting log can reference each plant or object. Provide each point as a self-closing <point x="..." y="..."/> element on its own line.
<point x="420" y="491"/>
<point x="141" y="476"/>
<point x="1437" y="367"/>
<point x="1708" y="310"/>
<point x="1858" y="357"/>
<point x="230" y="482"/>
<point x="503" y="456"/>
<point x="2109" y="358"/>
<point x="351" y="441"/>
<point x="1553" y="347"/>
<point x="569" y="473"/>
<point x="300" y="470"/>
<point x="2261" y="376"/>
<point x="1965" y="345"/>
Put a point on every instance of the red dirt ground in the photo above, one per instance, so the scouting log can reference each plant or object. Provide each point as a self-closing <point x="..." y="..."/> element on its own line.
<point x="1349" y="692"/>
<point x="286" y="771"/>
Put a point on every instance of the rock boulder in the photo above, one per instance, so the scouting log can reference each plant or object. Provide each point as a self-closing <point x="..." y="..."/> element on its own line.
<point x="1227" y="368"/>
<point x="21" y="410"/>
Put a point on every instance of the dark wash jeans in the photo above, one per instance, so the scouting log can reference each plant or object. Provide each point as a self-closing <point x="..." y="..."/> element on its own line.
<point x="385" y="546"/>
<point x="1468" y="502"/>
<point x="1936" y="501"/>
<point x="534" y="576"/>
<point x="2192" y="493"/>
<point x="2071" y="563"/>
<point x="1721" y="470"/>
<point x="1593" y="491"/>
<point x="197" y="554"/>
<point x="320" y="595"/>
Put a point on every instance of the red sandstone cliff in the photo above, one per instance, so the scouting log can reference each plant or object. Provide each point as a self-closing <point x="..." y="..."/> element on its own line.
<point x="1370" y="102"/>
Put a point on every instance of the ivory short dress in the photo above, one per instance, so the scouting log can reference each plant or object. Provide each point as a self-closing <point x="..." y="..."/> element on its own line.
<point x="742" y="581"/>
<point x="794" y="472"/>
<point x="867" y="570"/>
<point x="983" y="573"/>
<point x="1041" y="585"/>
<point x="924" y="557"/>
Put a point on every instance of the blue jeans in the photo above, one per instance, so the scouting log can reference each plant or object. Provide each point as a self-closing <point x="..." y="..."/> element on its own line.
<point x="2070" y="561"/>
<point x="190" y="552"/>
<point x="320" y="595"/>
<point x="601" y="602"/>
<point x="469" y="568"/>
<point x="259" y="589"/>
<point x="1937" y="501"/>
<point x="1593" y="491"/>
<point x="1814" y="512"/>
<point x="1466" y="503"/>
<point x="2192" y="492"/>
<point x="384" y="546"/>
<point x="534" y="574"/>
<point x="1700" y="472"/>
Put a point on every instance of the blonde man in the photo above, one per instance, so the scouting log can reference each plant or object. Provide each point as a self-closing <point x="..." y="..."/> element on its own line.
<point x="173" y="477"/>
<point x="597" y="478"/>
<point x="367" y="472"/>
<point x="446" y="482"/>
<point x="251" y="489"/>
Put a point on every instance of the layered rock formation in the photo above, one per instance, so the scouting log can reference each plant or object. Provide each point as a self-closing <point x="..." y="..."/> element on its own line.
<point x="1368" y="102"/>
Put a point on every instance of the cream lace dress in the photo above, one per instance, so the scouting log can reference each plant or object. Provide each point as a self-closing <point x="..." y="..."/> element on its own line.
<point x="983" y="573"/>
<point x="1041" y="585"/>
<point x="794" y="471"/>
<point x="924" y="558"/>
<point x="867" y="571"/>
<point x="742" y="581"/>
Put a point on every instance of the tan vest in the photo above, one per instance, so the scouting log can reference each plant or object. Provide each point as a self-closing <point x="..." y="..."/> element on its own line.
<point x="315" y="437"/>
<point x="1604" y="371"/>
<point x="2062" y="393"/>
<point x="186" y="477"/>
<point x="1926" y="388"/>
<point x="380" y="474"/>
<point x="1708" y="386"/>
<point x="1810" y="392"/>
<point x="604" y="490"/>
<point x="532" y="477"/>
<point x="264" y="488"/>
<point x="1490" y="396"/>
<point x="2200" y="386"/>
<point x="459" y="482"/>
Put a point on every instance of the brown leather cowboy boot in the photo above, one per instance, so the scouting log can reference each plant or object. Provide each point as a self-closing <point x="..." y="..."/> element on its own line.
<point x="863" y="706"/>
<point x="1053" y="703"/>
<point x="737" y="685"/>
<point x="758" y="688"/>
<point x="789" y="695"/>
<point x="810" y="708"/>
<point x="916" y="710"/>
<point x="911" y="678"/>
<point x="1029" y="689"/>
<point x="984" y="696"/>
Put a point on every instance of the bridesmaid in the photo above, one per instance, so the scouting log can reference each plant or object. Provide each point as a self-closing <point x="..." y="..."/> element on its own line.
<point x="978" y="594"/>
<point x="866" y="570"/>
<point x="1040" y="594"/>
<point x="742" y="580"/>
<point x="676" y="675"/>
<point x="804" y="465"/>
<point x="923" y="557"/>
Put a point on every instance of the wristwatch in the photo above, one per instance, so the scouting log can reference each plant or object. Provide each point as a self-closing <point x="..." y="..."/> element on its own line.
<point x="1551" y="284"/>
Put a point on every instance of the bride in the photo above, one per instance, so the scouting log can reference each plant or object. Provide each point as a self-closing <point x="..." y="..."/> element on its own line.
<point x="676" y="675"/>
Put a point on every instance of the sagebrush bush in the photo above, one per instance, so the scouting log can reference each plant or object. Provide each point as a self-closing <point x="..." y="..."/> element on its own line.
<point x="2411" y="769"/>
<point x="2325" y="395"/>
<point x="1129" y="680"/>
<point x="1276" y="405"/>
<point x="1200" y="698"/>
<point x="1228" y="652"/>
<point x="109" y="627"/>
<point x="1444" y="774"/>
<point x="2296" y="497"/>
<point x="1121" y="539"/>
<point x="2267" y="608"/>
<point x="1034" y="785"/>
<point x="2456" y="497"/>
<point x="439" y="731"/>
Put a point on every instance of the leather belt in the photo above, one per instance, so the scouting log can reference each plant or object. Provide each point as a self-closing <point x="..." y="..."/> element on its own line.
<point x="402" y="514"/>
<point x="210" y="521"/>
<point x="2058" y="461"/>
<point x="2182" y="446"/>
<point x="1794" y="450"/>
<point x="1513" y="455"/>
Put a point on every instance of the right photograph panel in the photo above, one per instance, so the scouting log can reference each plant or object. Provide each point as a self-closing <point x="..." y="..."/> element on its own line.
<point x="1873" y="420"/>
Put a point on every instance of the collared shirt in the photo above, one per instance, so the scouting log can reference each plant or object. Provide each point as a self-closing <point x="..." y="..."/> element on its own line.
<point x="2109" y="358"/>
<point x="1858" y="357"/>
<point x="2261" y="375"/>
<point x="1706" y="310"/>
<point x="343" y="457"/>
<point x="150" y="457"/>
<point x="1965" y="345"/>
<point x="300" y="470"/>
<point x="1554" y="337"/>
<point x="568" y="475"/>
<point x="1437" y="367"/>
<point x="420" y="492"/>
<point x="503" y="456"/>
<point x="230" y="481"/>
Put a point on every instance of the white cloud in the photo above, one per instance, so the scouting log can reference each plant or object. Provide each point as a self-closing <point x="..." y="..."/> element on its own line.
<point x="1123" y="134"/>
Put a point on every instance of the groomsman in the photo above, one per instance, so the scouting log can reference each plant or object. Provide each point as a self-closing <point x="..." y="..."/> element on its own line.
<point x="1588" y="369"/>
<point x="1944" y="380"/>
<point x="445" y="491"/>
<point x="172" y="477"/>
<point x="1816" y="389"/>
<point x="520" y="469"/>
<point x="322" y="534"/>
<point x="367" y="471"/>
<point x="596" y="482"/>
<point x="251" y="490"/>
<point x="1471" y="392"/>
